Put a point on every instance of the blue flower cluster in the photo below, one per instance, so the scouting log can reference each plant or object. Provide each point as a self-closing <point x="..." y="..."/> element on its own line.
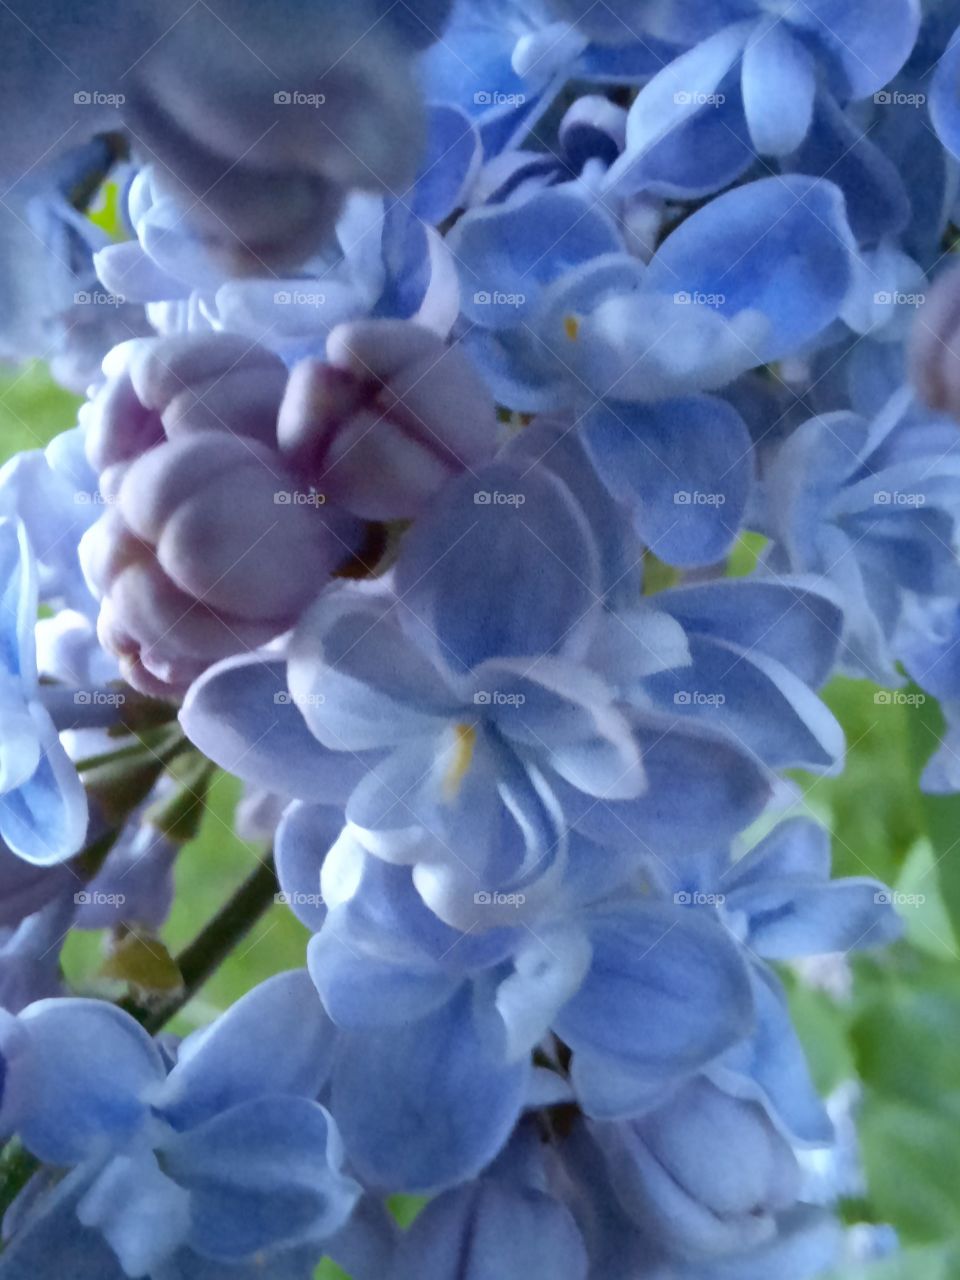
<point x="502" y="418"/>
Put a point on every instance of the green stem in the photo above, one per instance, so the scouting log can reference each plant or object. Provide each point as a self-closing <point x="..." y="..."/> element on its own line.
<point x="201" y="958"/>
<point x="17" y="1167"/>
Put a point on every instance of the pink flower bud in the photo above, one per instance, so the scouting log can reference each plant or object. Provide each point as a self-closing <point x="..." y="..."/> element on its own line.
<point x="163" y="387"/>
<point x="391" y="416"/>
<point x="211" y="549"/>
<point x="934" y="354"/>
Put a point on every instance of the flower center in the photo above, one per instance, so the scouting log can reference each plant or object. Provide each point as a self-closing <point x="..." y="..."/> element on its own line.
<point x="461" y="757"/>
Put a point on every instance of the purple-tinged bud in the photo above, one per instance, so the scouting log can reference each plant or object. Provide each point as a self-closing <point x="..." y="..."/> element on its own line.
<point x="391" y="416"/>
<point x="212" y="548"/>
<point x="158" y="388"/>
<point x="934" y="351"/>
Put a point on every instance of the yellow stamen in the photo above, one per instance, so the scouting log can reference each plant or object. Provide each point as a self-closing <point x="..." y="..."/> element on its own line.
<point x="571" y="327"/>
<point x="463" y="748"/>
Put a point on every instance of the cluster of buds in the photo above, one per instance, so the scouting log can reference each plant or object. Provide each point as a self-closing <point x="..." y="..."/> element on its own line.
<point x="233" y="493"/>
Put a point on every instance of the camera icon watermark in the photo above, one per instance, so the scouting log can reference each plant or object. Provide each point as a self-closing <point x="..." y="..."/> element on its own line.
<point x="496" y="698"/>
<point x="299" y="298"/>
<point x="695" y="498"/>
<point x="98" y="298"/>
<point x="694" y="98"/>
<point x="298" y="498"/>
<point x="284" y="698"/>
<point x="898" y="698"/>
<point x="897" y="298"/>
<point x="96" y="98"/>
<point x="498" y="298"/>
<point x="897" y="98"/>
<point x="696" y="698"/>
<point x="684" y="298"/>
<point x="94" y="898"/>
<point x="295" y="98"/>
<point x="86" y="498"/>
<point x="493" y="98"/>
<point x="495" y="899"/>
<point x="494" y="498"/>
<point x="298" y="899"/>
<point x="892" y="898"/>
<point x="99" y="698"/>
<point x="898" y="498"/>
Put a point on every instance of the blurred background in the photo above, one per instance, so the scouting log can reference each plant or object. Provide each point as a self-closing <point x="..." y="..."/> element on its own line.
<point x="887" y="1025"/>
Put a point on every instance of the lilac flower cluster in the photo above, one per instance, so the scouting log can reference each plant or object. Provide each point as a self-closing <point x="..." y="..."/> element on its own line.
<point x="440" y="363"/>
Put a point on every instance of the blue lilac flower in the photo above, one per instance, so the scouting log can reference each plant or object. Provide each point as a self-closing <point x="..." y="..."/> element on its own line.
<point x="443" y="727"/>
<point x="383" y="258"/>
<point x="750" y="84"/>
<point x="871" y="506"/>
<point x="230" y="1147"/>
<point x="43" y="809"/>
<point x="601" y="968"/>
<point x="462" y="352"/>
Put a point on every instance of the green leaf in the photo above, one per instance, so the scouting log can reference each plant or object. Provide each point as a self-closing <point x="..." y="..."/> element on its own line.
<point x="941" y="813"/>
<point x="328" y="1270"/>
<point x="141" y="960"/>
<point x="33" y="409"/>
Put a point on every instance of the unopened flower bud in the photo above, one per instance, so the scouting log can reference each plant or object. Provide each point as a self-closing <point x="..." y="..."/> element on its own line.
<point x="391" y="416"/>
<point x="934" y="352"/>
<point x="158" y="388"/>
<point x="208" y="552"/>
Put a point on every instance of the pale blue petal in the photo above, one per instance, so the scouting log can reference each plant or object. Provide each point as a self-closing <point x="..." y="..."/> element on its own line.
<point x="93" y="1070"/>
<point x="486" y="1230"/>
<point x="779" y="82"/>
<point x="274" y="1039"/>
<point x="241" y="714"/>
<point x="666" y="993"/>
<point x="427" y="1105"/>
<point x="780" y="246"/>
<point x="503" y="566"/>
<point x="683" y="468"/>
<point x="260" y="1176"/>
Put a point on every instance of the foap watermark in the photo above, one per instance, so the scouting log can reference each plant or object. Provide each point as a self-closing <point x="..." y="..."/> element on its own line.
<point x="98" y="298"/>
<point x="697" y="298"/>
<point x="84" y="498"/>
<point x="497" y="698"/>
<point x="296" y="98"/>
<point x="898" y="498"/>
<point x="494" y="98"/>
<point x="284" y="698"/>
<point x="897" y="298"/>
<point x="697" y="698"/>
<point x="892" y="898"/>
<point x="97" y="98"/>
<point x="694" y="898"/>
<point x="297" y="899"/>
<point x="497" y="298"/>
<point x="94" y="898"/>
<point x="695" y="98"/>
<point x="99" y="698"/>
<point x="299" y="298"/>
<point x="695" y="498"/>
<point x="897" y="98"/>
<point x="898" y="698"/>
<point x="495" y="899"/>
<point x="494" y="498"/>
<point x="298" y="498"/>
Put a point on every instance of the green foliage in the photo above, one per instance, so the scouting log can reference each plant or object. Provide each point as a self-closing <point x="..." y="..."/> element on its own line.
<point x="32" y="409"/>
